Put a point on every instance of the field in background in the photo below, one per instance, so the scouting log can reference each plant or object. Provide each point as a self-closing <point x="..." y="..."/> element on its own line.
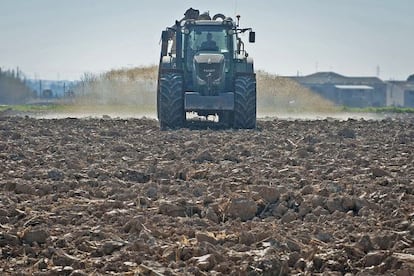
<point x="32" y="108"/>
<point x="134" y="90"/>
<point x="132" y="93"/>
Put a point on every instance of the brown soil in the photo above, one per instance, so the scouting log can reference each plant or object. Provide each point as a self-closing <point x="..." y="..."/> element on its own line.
<point x="106" y="196"/>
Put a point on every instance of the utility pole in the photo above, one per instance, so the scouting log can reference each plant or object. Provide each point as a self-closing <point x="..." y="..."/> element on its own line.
<point x="40" y="88"/>
<point x="378" y="71"/>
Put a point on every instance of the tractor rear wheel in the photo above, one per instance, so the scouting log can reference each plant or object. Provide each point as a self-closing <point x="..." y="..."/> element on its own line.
<point x="245" y="102"/>
<point x="170" y="99"/>
<point x="226" y="118"/>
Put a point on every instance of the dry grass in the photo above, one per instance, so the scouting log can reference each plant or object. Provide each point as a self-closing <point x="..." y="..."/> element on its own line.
<point x="137" y="87"/>
<point x="277" y="94"/>
<point x="133" y="74"/>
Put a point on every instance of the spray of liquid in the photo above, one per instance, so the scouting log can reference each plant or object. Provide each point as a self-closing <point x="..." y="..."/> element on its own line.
<point x="131" y="93"/>
<point x="124" y="93"/>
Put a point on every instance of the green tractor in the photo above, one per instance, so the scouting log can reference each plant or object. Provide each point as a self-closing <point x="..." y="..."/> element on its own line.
<point x="204" y="70"/>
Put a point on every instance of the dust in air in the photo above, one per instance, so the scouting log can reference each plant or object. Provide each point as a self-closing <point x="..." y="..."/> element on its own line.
<point x="131" y="93"/>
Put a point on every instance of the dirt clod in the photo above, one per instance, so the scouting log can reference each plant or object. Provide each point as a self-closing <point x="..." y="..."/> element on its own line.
<point x="116" y="196"/>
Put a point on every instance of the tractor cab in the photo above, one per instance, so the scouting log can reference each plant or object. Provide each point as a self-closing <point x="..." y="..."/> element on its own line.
<point x="204" y="70"/>
<point x="208" y="51"/>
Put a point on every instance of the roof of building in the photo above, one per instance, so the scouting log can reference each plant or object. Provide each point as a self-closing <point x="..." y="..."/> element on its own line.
<point x="403" y="84"/>
<point x="332" y="77"/>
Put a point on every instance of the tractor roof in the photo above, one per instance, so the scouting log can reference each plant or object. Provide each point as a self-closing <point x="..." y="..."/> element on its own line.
<point x="227" y="23"/>
<point x="192" y="16"/>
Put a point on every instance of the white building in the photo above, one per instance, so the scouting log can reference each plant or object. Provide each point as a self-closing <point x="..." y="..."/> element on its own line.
<point x="400" y="93"/>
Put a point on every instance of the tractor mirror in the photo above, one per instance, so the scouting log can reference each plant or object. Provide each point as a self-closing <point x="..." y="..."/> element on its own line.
<point x="164" y="43"/>
<point x="164" y="36"/>
<point x="252" y="37"/>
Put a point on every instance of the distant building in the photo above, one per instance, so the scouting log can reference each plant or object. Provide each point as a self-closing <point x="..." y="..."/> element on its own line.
<point x="59" y="88"/>
<point x="346" y="91"/>
<point x="47" y="93"/>
<point x="401" y="93"/>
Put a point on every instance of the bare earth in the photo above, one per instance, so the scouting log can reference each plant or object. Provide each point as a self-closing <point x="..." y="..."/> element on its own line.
<point x="118" y="196"/>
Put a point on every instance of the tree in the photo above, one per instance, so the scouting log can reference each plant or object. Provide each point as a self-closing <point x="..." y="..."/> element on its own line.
<point x="12" y="89"/>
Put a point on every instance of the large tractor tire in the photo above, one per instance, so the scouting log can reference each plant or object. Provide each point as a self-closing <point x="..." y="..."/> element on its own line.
<point x="226" y="118"/>
<point x="245" y="102"/>
<point x="171" y="114"/>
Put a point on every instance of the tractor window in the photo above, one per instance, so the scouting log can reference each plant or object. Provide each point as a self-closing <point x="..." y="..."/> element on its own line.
<point x="196" y="40"/>
<point x="208" y="39"/>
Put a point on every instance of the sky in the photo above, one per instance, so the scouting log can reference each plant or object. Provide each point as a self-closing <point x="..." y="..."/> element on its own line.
<point x="64" y="39"/>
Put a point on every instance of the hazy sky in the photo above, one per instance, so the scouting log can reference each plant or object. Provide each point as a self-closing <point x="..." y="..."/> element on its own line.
<point x="62" y="39"/>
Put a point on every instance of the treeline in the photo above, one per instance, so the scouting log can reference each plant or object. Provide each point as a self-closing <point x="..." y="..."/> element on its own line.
<point x="13" y="90"/>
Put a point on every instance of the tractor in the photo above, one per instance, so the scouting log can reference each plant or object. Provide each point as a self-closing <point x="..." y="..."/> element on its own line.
<point x="205" y="71"/>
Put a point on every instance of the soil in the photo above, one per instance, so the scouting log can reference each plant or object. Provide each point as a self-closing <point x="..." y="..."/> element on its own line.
<point x="119" y="196"/>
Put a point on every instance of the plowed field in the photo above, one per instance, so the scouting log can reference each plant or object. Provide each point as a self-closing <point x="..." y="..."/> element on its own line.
<point x="119" y="196"/>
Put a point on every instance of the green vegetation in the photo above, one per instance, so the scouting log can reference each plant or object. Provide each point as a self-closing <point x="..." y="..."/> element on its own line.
<point x="112" y="110"/>
<point x="108" y="109"/>
<point x="132" y="108"/>
<point x="33" y="108"/>
<point x="384" y="109"/>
